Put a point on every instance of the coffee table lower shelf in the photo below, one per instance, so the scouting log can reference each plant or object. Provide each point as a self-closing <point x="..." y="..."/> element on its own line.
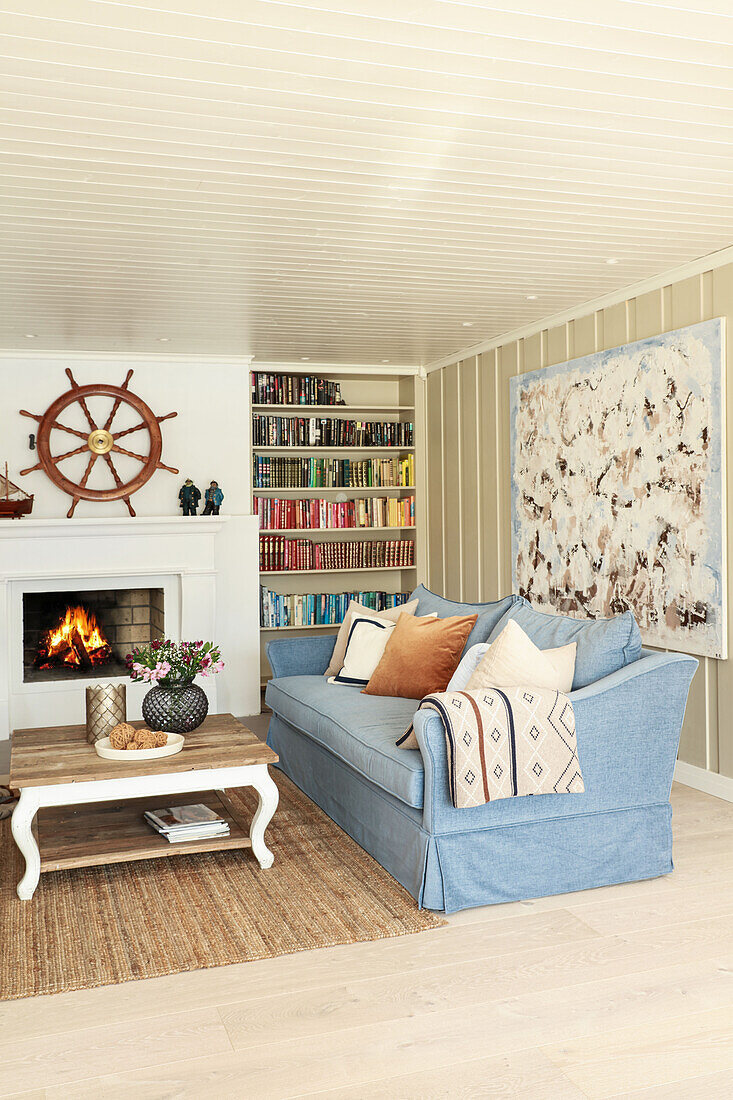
<point x="102" y="832"/>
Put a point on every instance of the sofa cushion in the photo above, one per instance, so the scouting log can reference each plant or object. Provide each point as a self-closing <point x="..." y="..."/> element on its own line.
<point x="489" y="614"/>
<point x="604" y="645"/>
<point x="513" y="660"/>
<point x="360" y="730"/>
<point x="421" y="656"/>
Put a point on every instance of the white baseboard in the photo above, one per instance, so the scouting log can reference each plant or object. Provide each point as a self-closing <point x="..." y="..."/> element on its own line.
<point x="702" y="780"/>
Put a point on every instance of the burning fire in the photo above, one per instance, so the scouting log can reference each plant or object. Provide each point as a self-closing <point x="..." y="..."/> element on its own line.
<point x="77" y="641"/>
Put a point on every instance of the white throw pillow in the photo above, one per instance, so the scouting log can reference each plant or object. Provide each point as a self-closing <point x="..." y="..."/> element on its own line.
<point x="390" y="615"/>
<point x="364" y="648"/>
<point x="513" y="660"/>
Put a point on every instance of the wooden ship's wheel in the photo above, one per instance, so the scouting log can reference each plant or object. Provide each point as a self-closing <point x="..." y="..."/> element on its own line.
<point x="99" y="442"/>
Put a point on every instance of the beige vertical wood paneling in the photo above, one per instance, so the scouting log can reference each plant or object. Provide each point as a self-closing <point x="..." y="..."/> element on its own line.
<point x="723" y="307"/>
<point x="571" y="339"/>
<point x="532" y="354"/>
<point x="712" y="721"/>
<point x="469" y="487"/>
<point x="686" y="310"/>
<point x="508" y="367"/>
<point x="451" y="498"/>
<point x="707" y="736"/>
<point x="491" y="474"/>
<point x="584" y="334"/>
<point x="706" y="296"/>
<point x="600" y="341"/>
<point x="434" y="470"/>
<point x="614" y="326"/>
<point x="649" y="314"/>
<point x="533" y="358"/>
<point x="686" y="302"/>
<point x="557" y="345"/>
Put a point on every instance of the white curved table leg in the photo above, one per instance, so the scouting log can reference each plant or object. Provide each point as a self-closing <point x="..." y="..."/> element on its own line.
<point x="269" y="798"/>
<point x="22" y="828"/>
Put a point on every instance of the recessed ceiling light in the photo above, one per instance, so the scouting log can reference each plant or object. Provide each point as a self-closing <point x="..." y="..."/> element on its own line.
<point x="531" y="297"/>
<point x="385" y="360"/>
<point x="468" y="324"/>
<point x="163" y="339"/>
<point x="30" y="335"/>
<point x="612" y="261"/>
<point x="305" y="358"/>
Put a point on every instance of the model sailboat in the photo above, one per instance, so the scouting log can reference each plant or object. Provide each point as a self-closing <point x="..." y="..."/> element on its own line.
<point x="13" y="501"/>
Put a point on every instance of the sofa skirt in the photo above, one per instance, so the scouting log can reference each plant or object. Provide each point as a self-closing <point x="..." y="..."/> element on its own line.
<point x="484" y="866"/>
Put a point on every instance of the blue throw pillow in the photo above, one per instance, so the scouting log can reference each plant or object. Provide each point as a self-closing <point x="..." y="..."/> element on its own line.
<point x="604" y="645"/>
<point x="489" y="614"/>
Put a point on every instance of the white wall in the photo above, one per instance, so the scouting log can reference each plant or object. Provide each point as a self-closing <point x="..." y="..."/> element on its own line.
<point x="209" y="439"/>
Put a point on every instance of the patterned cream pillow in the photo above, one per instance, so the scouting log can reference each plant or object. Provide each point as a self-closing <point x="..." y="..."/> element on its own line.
<point x="513" y="660"/>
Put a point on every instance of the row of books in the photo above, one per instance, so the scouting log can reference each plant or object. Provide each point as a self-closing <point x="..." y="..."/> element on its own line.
<point x="276" y="514"/>
<point x="270" y="472"/>
<point x="324" y="431"/>
<point x="319" y="608"/>
<point x="180" y="823"/>
<point x="281" y="554"/>
<point x="292" y="389"/>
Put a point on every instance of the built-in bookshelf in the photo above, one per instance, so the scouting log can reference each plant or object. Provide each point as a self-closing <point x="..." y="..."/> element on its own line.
<point x="334" y="485"/>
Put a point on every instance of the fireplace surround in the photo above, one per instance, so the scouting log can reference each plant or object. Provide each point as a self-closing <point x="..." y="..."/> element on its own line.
<point x="207" y="570"/>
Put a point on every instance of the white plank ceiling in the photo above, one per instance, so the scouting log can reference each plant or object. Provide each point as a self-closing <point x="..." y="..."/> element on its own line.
<point x="349" y="180"/>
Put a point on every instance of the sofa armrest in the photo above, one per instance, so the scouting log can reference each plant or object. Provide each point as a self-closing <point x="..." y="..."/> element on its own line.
<point x="300" y="656"/>
<point x="628" y="727"/>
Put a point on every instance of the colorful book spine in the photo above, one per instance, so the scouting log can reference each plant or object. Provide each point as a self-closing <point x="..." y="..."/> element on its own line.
<point x="301" y="431"/>
<point x="293" y="389"/>
<point x="279" y="554"/>
<point x="273" y="472"/>
<point x="276" y="513"/>
<point x="319" y="608"/>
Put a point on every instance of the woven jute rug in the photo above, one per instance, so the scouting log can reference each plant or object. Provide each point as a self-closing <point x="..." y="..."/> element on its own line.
<point x="103" y="925"/>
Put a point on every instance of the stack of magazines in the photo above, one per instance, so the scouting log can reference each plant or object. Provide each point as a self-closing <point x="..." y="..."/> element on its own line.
<point x="179" y="823"/>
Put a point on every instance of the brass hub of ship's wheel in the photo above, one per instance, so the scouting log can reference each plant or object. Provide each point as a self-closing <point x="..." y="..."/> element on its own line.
<point x="99" y="442"/>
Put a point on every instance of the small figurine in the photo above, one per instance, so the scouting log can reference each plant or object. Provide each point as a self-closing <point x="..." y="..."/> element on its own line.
<point x="189" y="497"/>
<point x="213" y="497"/>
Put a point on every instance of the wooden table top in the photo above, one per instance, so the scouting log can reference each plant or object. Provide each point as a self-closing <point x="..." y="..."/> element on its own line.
<point x="62" y="754"/>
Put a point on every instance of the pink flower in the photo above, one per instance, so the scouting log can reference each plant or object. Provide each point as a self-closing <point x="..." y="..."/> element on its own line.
<point x="205" y="663"/>
<point x="162" y="668"/>
<point x="217" y="666"/>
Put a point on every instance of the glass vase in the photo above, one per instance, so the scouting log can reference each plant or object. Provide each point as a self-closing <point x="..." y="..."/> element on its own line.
<point x="176" y="707"/>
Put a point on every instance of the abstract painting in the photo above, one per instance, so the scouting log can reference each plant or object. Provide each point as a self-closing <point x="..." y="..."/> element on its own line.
<point x="618" y="491"/>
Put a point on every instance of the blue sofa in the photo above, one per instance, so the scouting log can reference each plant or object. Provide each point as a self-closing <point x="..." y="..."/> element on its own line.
<point x="338" y="746"/>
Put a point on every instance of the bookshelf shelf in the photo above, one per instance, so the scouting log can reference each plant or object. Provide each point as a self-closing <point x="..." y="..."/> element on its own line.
<point x="306" y="409"/>
<point x="325" y="572"/>
<point x="314" y="626"/>
<point x="387" y="397"/>
<point x="326" y="450"/>
<point x="327" y="530"/>
<point x="320" y="489"/>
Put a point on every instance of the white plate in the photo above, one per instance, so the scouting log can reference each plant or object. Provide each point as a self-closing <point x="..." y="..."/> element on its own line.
<point x="175" y="744"/>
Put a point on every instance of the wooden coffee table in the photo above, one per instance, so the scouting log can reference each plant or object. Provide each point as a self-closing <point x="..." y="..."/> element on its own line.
<point x="90" y="810"/>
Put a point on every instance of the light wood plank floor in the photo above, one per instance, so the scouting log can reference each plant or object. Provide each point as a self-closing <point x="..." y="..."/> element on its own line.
<point x="623" y="991"/>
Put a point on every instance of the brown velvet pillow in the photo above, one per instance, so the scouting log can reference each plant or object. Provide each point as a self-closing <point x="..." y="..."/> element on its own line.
<point x="421" y="656"/>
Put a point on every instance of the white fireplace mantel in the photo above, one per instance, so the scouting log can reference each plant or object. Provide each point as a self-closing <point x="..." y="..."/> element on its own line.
<point x="207" y="565"/>
<point x="127" y="526"/>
